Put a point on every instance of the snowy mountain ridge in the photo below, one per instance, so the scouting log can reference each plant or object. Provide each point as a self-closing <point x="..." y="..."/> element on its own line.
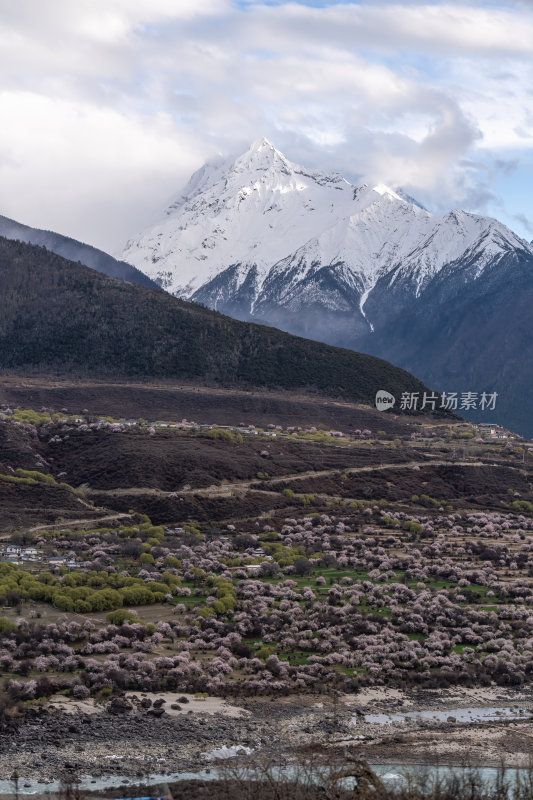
<point x="247" y="210"/>
<point x="260" y="237"/>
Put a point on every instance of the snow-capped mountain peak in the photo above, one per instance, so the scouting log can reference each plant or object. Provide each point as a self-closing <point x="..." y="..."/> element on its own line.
<point x="261" y="155"/>
<point x="258" y="236"/>
<point x="382" y="189"/>
<point x="250" y="210"/>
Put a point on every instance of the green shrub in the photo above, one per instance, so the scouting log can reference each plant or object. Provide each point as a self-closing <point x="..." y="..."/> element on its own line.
<point x="6" y="625"/>
<point x="205" y="611"/>
<point x="218" y="607"/>
<point x="221" y="435"/>
<point x="18" y="479"/>
<point x="121" y="615"/>
<point x="521" y="505"/>
<point x="414" y="527"/>
<point x="63" y="602"/>
<point x="37" y="476"/>
<point x="172" y="561"/>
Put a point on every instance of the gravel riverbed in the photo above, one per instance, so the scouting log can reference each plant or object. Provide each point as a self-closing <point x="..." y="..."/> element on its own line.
<point x="131" y="737"/>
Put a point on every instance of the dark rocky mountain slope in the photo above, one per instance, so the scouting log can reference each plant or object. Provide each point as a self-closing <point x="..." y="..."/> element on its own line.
<point x="74" y="251"/>
<point x="58" y="317"/>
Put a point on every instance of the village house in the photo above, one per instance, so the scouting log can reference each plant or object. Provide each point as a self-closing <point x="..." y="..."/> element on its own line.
<point x="56" y="560"/>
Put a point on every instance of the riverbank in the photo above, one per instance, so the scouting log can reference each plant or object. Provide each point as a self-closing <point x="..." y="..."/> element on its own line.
<point x="137" y="735"/>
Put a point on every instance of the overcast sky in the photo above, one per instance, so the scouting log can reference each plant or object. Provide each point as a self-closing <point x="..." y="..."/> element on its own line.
<point x="108" y="106"/>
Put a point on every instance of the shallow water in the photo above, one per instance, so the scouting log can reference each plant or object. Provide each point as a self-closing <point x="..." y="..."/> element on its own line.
<point x="93" y="783"/>
<point x="460" y="715"/>
<point x="431" y="774"/>
<point x="388" y="773"/>
<point x="228" y="752"/>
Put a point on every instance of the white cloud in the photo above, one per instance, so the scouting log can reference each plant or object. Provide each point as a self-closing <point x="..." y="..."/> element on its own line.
<point x="87" y="172"/>
<point x="109" y="105"/>
<point x="442" y="28"/>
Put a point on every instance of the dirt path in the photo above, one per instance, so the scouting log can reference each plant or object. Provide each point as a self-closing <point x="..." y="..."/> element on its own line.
<point x="241" y="487"/>
<point x="69" y="523"/>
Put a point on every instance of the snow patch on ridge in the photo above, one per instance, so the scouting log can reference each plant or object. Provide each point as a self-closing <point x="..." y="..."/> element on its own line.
<point x="362" y="302"/>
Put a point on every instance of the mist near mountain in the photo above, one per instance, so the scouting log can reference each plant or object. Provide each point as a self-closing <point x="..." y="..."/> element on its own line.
<point x="74" y="251"/>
